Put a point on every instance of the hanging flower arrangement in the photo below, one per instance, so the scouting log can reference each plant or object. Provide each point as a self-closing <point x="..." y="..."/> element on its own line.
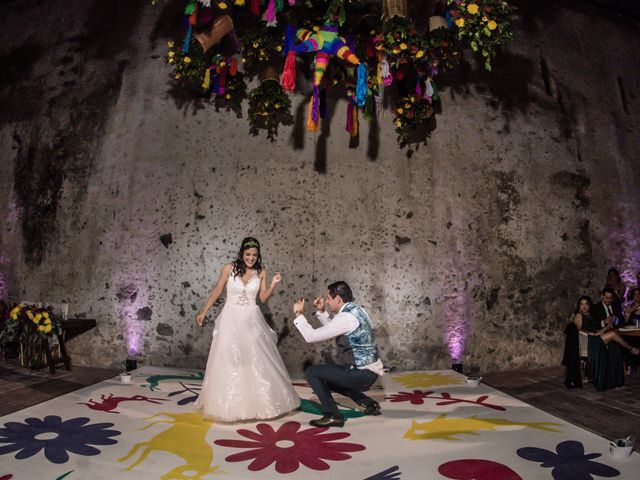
<point x="399" y="42"/>
<point x="269" y="106"/>
<point x="189" y="67"/>
<point x="484" y="25"/>
<point x="411" y="112"/>
<point x="228" y="84"/>
<point x="261" y="45"/>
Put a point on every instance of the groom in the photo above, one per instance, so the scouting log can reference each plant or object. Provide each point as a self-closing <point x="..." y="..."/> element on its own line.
<point x="350" y="380"/>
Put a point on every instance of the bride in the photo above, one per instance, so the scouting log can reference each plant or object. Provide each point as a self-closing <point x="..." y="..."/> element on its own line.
<point x="245" y="377"/>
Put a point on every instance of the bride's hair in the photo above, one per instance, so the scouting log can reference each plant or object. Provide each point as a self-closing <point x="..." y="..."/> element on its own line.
<point x="239" y="268"/>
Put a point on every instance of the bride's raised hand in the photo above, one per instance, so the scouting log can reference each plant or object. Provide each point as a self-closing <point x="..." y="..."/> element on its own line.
<point x="277" y="278"/>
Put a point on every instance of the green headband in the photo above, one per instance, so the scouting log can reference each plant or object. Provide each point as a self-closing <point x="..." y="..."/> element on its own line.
<point x="251" y="243"/>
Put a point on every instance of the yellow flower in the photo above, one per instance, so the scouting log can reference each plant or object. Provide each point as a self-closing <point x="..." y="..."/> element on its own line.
<point x="29" y="314"/>
<point x="419" y="54"/>
<point x="396" y="50"/>
<point x="316" y="28"/>
<point x="400" y="110"/>
<point x="171" y="54"/>
<point x="403" y="46"/>
<point x="460" y="22"/>
<point x="14" y="312"/>
<point x="227" y="96"/>
<point x="48" y="328"/>
<point x="372" y="32"/>
<point x="170" y="44"/>
<point x="407" y="105"/>
<point x="222" y="6"/>
<point x="492" y="25"/>
<point x="178" y="76"/>
<point x="37" y="318"/>
<point x="255" y="44"/>
<point x="472" y="8"/>
<point x="240" y="3"/>
<point x="171" y="60"/>
<point x="223" y="63"/>
<point x="187" y="59"/>
<point x="277" y="105"/>
<point x="485" y="19"/>
<point x="279" y="48"/>
<point x="243" y="60"/>
<point x="398" y="124"/>
<point x="41" y="328"/>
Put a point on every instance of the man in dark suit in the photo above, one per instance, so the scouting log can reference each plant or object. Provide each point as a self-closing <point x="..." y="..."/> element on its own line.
<point x="607" y="312"/>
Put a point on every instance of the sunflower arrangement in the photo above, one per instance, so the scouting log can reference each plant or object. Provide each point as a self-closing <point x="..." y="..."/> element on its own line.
<point x="269" y="106"/>
<point x="261" y="45"/>
<point x="484" y="24"/>
<point x="411" y="112"/>
<point x="188" y="67"/>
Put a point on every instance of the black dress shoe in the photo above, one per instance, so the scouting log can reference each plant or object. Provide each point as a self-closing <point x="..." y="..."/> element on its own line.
<point x="328" y="421"/>
<point x="371" y="407"/>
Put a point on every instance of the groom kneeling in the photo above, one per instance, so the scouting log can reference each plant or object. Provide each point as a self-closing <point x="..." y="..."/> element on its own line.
<point x="350" y="380"/>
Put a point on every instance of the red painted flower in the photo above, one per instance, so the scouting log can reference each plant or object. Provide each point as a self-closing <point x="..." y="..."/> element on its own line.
<point x="289" y="447"/>
<point x="416" y="397"/>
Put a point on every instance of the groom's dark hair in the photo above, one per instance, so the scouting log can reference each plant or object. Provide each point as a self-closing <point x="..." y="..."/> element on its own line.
<point x="341" y="288"/>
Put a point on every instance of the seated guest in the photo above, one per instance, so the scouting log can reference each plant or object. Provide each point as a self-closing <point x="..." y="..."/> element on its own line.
<point x="632" y="311"/>
<point x="614" y="281"/>
<point x="604" y="357"/>
<point x="608" y="312"/>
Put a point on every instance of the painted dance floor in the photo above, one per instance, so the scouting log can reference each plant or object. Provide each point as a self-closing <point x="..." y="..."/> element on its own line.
<point x="433" y="426"/>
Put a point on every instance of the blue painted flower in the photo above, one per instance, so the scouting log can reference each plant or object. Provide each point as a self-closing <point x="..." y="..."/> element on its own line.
<point x="392" y="473"/>
<point x="55" y="437"/>
<point x="570" y="461"/>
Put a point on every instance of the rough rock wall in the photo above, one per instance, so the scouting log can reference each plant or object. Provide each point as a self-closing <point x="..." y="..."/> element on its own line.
<point x="472" y="250"/>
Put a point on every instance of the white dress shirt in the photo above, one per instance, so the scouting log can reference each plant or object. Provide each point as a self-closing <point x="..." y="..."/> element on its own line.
<point x="342" y="323"/>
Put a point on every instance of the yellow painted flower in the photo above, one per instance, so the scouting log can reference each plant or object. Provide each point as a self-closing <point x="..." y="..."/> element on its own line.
<point x="460" y="22"/>
<point x="187" y="59"/>
<point x="222" y="6"/>
<point x="170" y="44"/>
<point x="403" y="46"/>
<point x="472" y="8"/>
<point x="400" y="111"/>
<point x="492" y="25"/>
<point x="419" y="54"/>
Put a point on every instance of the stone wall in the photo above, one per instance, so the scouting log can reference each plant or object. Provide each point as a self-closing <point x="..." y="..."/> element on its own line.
<point x="124" y="199"/>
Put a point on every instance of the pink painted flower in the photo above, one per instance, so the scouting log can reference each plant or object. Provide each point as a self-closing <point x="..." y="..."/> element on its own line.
<point x="288" y="447"/>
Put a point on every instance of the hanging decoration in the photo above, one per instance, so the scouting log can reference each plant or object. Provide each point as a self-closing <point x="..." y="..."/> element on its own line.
<point x="393" y="56"/>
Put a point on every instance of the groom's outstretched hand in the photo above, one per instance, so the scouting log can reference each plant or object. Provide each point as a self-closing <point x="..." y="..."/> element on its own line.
<point x="298" y="307"/>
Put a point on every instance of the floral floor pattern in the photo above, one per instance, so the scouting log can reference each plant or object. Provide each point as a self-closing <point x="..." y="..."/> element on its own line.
<point x="433" y="426"/>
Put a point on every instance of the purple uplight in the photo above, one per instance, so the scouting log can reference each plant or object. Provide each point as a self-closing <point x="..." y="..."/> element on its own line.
<point x="133" y="329"/>
<point x="456" y="314"/>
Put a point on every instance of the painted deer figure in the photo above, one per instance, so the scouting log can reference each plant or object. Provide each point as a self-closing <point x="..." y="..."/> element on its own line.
<point x="110" y="403"/>
<point x="186" y="439"/>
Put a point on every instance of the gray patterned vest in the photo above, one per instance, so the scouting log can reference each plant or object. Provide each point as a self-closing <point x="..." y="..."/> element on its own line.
<point x="362" y="342"/>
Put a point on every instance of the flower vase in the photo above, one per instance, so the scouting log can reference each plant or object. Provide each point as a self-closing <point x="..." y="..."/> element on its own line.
<point x="220" y="27"/>
<point x="394" y="8"/>
<point x="437" y="21"/>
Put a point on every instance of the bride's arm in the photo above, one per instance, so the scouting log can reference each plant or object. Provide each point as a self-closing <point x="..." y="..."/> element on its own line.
<point x="215" y="293"/>
<point x="265" y="292"/>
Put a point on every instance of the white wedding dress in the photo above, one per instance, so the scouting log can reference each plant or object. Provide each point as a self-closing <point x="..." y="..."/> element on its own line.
<point x="245" y="377"/>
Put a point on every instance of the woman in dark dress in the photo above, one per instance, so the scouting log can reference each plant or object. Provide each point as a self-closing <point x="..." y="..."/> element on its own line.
<point x="604" y="357"/>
